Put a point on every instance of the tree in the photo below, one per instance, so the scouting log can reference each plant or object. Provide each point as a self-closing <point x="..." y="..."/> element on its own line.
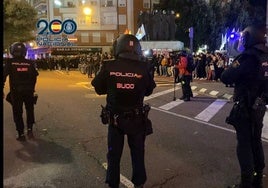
<point x="19" y="21"/>
<point x="211" y="20"/>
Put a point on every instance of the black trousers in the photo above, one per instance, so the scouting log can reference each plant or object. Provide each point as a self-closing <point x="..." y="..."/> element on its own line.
<point x="186" y="87"/>
<point x="19" y="99"/>
<point x="249" y="144"/>
<point x="115" y="149"/>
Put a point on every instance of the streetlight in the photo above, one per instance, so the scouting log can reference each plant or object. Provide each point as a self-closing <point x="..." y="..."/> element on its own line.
<point x="87" y="11"/>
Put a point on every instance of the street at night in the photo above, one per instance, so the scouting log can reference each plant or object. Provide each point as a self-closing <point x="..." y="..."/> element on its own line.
<point x="191" y="145"/>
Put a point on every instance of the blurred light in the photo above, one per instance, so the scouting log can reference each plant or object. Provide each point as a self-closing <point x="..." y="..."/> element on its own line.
<point x="146" y="52"/>
<point x="232" y="36"/>
<point x="58" y="2"/>
<point x="87" y="11"/>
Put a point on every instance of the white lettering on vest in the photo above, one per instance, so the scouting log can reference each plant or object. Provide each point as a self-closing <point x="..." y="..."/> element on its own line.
<point x="125" y="86"/>
<point x="127" y="74"/>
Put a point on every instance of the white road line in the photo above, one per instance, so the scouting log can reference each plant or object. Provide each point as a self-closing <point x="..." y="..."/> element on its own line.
<point x="123" y="179"/>
<point x="173" y="104"/>
<point x="160" y="93"/>
<point x="199" y="121"/>
<point x="211" y="110"/>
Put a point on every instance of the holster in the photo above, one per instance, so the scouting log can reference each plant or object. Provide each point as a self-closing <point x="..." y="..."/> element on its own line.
<point x="105" y="115"/>
<point x="147" y="121"/>
<point x="115" y="119"/>
<point x="9" y="98"/>
<point x="238" y="114"/>
<point x="35" y="97"/>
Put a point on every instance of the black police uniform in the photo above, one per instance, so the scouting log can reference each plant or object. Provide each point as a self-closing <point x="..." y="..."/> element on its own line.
<point x="22" y="79"/>
<point x="248" y="122"/>
<point x="126" y="81"/>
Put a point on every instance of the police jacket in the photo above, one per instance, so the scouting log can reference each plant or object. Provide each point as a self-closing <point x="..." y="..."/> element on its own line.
<point x="22" y="74"/>
<point x="126" y="82"/>
<point x="249" y="74"/>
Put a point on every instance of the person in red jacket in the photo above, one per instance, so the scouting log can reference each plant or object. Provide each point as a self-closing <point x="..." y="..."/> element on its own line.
<point x="185" y="77"/>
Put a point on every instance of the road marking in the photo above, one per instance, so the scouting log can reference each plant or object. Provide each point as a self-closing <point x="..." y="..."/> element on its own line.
<point x="160" y="93"/>
<point x="213" y="93"/>
<point x="211" y="110"/>
<point x="200" y="121"/>
<point x="173" y="104"/>
<point x="227" y="96"/>
<point x="126" y="182"/>
<point x="203" y="90"/>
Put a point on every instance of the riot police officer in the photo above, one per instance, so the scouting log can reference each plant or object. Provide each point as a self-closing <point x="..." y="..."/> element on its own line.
<point x="125" y="80"/>
<point x="22" y="80"/>
<point x="249" y="73"/>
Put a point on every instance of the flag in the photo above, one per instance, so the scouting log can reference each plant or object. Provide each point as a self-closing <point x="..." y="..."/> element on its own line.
<point x="141" y="32"/>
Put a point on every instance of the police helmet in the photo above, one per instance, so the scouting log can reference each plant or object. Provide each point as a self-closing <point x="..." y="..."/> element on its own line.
<point x="252" y="35"/>
<point x="18" y="49"/>
<point x="127" y="43"/>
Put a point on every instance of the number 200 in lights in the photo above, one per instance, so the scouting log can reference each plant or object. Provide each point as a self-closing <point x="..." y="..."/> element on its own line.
<point x="56" y="27"/>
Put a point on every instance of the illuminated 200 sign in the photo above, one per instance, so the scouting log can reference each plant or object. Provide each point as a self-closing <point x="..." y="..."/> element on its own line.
<point x="56" y="27"/>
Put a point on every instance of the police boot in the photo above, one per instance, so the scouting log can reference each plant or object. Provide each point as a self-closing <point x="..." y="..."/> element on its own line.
<point x="187" y="97"/>
<point x="182" y="97"/>
<point x="30" y="131"/>
<point x="246" y="182"/>
<point x="257" y="180"/>
<point x="30" y="134"/>
<point x="21" y="137"/>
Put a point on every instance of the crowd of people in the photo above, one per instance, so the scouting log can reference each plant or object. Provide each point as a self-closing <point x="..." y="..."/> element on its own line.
<point x="208" y="66"/>
<point x="86" y="63"/>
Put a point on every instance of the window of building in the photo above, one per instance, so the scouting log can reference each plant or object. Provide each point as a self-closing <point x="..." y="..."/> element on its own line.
<point x="96" y="37"/>
<point x="146" y="4"/>
<point x="85" y="37"/>
<point x="108" y="3"/>
<point x="110" y="37"/>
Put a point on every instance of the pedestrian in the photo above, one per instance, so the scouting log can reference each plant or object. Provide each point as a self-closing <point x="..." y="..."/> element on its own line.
<point x="125" y="80"/>
<point x="22" y="80"/>
<point x="185" y="77"/>
<point x="249" y="73"/>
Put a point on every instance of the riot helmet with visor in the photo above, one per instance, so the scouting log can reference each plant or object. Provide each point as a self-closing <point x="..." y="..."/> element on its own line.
<point x="18" y="49"/>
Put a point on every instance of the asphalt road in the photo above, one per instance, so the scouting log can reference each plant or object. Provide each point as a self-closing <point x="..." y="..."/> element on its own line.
<point x="191" y="147"/>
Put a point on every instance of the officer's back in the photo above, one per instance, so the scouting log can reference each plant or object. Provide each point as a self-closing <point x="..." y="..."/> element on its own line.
<point x="127" y="76"/>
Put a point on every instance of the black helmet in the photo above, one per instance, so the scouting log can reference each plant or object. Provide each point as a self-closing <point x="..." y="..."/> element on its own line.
<point x="18" y="49"/>
<point x="253" y="35"/>
<point x="127" y="43"/>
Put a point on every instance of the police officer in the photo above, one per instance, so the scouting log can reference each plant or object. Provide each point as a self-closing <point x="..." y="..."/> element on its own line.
<point x="249" y="73"/>
<point x="22" y="80"/>
<point x="125" y="80"/>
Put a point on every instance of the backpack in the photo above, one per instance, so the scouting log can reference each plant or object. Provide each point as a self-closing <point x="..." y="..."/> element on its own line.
<point x="190" y="63"/>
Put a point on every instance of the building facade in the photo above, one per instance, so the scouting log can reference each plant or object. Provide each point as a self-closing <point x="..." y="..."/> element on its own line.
<point x="98" y="23"/>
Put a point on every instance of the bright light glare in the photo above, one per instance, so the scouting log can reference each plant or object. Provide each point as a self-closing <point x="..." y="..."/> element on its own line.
<point x="87" y="11"/>
<point x="58" y="2"/>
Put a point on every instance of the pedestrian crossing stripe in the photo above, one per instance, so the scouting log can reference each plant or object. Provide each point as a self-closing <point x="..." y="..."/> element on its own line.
<point x="211" y="110"/>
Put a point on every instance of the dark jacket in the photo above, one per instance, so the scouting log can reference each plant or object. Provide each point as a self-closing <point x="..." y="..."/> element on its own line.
<point x="126" y="82"/>
<point x="22" y="74"/>
<point x="244" y="73"/>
